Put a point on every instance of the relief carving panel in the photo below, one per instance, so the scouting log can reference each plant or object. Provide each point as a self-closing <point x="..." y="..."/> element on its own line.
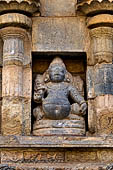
<point x="60" y="107"/>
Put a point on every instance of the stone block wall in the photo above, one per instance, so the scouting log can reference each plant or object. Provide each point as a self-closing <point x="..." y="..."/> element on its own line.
<point x="32" y="33"/>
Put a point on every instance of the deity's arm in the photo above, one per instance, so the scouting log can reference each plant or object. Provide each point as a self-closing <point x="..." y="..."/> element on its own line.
<point x="74" y="94"/>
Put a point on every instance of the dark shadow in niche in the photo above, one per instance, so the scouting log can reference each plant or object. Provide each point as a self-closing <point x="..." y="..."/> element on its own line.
<point x="76" y="64"/>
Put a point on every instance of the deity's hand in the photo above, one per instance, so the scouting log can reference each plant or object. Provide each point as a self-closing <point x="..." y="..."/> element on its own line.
<point x="83" y="108"/>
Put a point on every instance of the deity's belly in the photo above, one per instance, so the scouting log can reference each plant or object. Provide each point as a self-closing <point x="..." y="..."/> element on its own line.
<point x="56" y="107"/>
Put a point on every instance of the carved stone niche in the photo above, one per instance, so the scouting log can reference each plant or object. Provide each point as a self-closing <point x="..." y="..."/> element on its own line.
<point x="59" y="106"/>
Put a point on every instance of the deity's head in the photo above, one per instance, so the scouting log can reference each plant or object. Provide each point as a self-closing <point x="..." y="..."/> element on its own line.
<point x="57" y="70"/>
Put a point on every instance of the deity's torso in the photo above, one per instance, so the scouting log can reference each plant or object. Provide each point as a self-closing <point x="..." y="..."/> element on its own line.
<point x="56" y="105"/>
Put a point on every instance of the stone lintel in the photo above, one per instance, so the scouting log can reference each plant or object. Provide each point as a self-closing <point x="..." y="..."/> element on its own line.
<point x="59" y="34"/>
<point x="57" y="7"/>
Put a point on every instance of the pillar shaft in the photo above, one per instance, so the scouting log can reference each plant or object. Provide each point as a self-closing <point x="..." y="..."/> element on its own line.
<point x="12" y="83"/>
<point x="100" y="82"/>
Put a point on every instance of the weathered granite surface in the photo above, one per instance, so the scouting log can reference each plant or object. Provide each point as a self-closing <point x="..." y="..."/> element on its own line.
<point x="59" y="34"/>
<point x="57" y="7"/>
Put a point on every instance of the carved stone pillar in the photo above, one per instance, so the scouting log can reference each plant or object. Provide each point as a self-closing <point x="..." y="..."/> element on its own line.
<point x="16" y="99"/>
<point x="102" y="80"/>
<point x="100" y="67"/>
<point x="12" y="83"/>
<point x="17" y="72"/>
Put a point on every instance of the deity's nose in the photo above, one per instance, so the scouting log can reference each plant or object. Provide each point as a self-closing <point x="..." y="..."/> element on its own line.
<point x="57" y="71"/>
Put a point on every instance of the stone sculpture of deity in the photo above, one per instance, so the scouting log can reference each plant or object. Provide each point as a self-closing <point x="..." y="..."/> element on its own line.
<point x="51" y="93"/>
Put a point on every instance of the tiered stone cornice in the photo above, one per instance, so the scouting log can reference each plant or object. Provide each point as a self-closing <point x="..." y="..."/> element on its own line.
<point x="92" y="7"/>
<point x="28" y="6"/>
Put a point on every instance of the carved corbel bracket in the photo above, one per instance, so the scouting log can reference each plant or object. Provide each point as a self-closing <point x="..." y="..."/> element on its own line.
<point x="92" y="7"/>
<point x="28" y="6"/>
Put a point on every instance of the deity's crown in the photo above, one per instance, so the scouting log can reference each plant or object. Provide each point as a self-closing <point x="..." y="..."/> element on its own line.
<point x="57" y="61"/>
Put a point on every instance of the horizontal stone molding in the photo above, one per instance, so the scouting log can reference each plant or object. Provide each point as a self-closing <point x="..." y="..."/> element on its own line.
<point x="98" y="20"/>
<point x="14" y="19"/>
<point x="61" y="166"/>
<point x="12" y="32"/>
<point x="12" y="141"/>
<point x="28" y="6"/>
<point x="102" y="31"/>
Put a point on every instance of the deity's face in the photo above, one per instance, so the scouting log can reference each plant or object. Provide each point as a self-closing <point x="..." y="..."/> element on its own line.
<point x="57" y="73"/>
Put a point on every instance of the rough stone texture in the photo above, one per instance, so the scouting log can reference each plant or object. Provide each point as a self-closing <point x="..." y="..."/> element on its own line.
<point x="104" y="114"/>
<point x="59" y="34"/>
<point x="12" y="81"/>
<point x="54" y="167"/>
<point x="103" y="79"/>
<point x="81" y="156"/>
<point x="12" y="116"/>
<point x="99" y="80"/>
<point x="57" y="7"/>
<point x="90" y="82"/>
<point x="11" y="157"/>
<point x="91" y="116"/>
<point x="1" y="63"/>
<point x="27" y="93"/>
<point x="100" y="115"/>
